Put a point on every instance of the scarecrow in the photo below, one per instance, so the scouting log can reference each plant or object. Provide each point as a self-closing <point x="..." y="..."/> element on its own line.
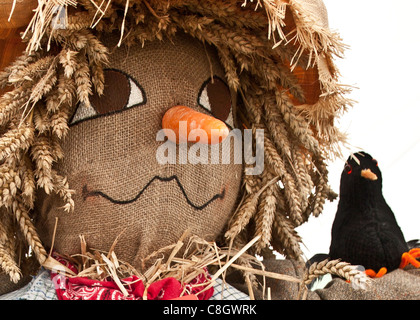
<point x="108" y="167"/>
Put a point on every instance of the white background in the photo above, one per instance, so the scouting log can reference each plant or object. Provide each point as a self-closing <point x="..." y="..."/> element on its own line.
<point x="383" y="62"/>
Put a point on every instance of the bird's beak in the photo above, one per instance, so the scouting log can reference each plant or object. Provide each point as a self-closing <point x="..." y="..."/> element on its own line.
<point x="368" y="174"/>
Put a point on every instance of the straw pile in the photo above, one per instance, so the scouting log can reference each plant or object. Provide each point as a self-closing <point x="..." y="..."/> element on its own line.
<point x="197" y="256"/>
<point x="263" y="45"/>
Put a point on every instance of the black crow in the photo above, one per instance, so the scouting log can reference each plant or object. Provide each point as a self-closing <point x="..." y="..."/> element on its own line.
<point x="365" y="231"/>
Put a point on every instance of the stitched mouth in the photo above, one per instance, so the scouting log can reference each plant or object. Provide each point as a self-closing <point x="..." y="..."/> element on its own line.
<point x="96" y="193"/>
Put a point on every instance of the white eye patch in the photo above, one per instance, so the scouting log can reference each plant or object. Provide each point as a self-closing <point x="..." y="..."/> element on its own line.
<point x="136" y="95"/>
<point x="83" y="112"/>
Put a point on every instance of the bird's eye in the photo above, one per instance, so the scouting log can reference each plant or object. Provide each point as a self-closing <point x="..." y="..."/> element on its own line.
<point x="121" y="92"/>
<point x="348" y="168"/>
<point x="215" y="97"/>
<point x="375" y="162"/>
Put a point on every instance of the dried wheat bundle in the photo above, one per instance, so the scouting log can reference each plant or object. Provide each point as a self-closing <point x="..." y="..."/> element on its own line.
<point x="261" y="44"/>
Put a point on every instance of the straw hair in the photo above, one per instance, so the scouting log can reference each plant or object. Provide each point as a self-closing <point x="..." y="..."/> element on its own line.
<point x="261" y="45"/>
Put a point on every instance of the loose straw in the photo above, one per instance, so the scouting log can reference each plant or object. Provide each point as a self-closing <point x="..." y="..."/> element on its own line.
<point x="230" y="262"/>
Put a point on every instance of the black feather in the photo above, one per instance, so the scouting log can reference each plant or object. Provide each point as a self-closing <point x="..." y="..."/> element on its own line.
<point x="413" y="244"/>
<point x="365" y="231"/>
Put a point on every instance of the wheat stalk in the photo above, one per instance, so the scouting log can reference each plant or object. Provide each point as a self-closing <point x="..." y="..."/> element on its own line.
<point x="338" y="268"/>
<point x="8" y="264"/>
<point x="17" y="139"/>
<point x="7" y="248"/>
<point x="264" y="218"/>
<point x="27" y="228"/>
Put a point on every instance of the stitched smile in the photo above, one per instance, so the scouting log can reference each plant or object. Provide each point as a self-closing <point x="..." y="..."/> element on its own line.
<point x="86" y="193"/>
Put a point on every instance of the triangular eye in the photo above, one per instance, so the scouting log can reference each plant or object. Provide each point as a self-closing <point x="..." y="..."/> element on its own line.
<point x="121" y="92"/>
<point x="215" y="97"/>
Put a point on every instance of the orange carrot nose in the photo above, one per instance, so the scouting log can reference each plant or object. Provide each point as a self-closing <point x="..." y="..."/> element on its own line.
<point x="182" y="124"/>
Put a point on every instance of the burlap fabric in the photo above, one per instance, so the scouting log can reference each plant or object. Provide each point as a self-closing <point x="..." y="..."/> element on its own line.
<point x="114" y="155"/>
<point x="7" y="286"/>
<point x="318" y="9"/>
<point x="396" y="285"/>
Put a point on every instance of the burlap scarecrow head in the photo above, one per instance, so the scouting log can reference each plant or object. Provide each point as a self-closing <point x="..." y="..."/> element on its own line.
<point x="84" y="105"/>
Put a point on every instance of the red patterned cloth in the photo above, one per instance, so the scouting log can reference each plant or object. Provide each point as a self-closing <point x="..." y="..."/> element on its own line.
<point x="82" y="288"/>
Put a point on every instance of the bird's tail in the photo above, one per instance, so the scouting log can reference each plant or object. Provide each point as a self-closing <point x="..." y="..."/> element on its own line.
<point x="413" y="244"/>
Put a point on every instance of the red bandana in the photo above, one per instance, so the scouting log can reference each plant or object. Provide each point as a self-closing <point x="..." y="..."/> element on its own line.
<point x="82" y="288"/>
